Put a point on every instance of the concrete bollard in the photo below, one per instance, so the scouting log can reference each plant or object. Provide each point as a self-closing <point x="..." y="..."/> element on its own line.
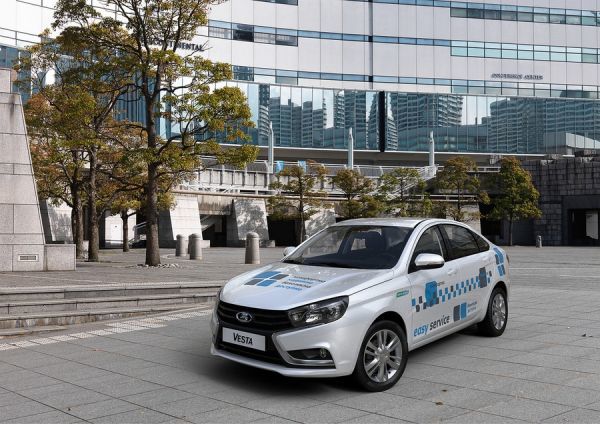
<point x="194" y="246"/>
<point x="538" y="241"/>
<point x="181" y="246"/>
<point x="252" y="248"/>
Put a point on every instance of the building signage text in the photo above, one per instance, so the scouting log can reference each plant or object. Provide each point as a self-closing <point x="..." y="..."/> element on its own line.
<point x="527" y="77"/>
<point x="186" y="45"/>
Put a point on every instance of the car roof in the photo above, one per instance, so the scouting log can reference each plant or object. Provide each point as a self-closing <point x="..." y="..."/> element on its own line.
<point x="395" y="222"/>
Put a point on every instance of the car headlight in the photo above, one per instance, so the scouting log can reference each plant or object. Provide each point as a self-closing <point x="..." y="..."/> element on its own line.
<point x="319" y="313"/>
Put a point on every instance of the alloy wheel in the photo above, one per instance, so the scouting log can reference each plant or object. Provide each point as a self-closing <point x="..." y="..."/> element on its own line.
<point x="499" y="311"/>
<point x="382" y="356"/>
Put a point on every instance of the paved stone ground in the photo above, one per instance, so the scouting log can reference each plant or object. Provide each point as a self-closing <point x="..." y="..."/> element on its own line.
<point x="217" y="265"/>
<point x="545" y="368"/>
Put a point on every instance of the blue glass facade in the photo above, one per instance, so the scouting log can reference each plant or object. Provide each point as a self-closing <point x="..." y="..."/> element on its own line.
<point x="8" y="58"/>
<point x="321" y="118"/>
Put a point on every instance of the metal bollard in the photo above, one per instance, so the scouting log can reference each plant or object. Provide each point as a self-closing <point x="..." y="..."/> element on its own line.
<point x="181" y="247"/>
<point x="194" y="247"/>
<point x="538" y="241"/>
<point x="252" y="248"/>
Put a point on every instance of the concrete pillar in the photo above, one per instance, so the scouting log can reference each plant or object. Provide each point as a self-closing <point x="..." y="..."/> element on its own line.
<point x="350" y="149"/>
<point x="271" y="155"/>
<point x="252" y="248"/>
<point x="195" y="246"/>
<point x="431" y="149"/>
<point x="181" y="247"/>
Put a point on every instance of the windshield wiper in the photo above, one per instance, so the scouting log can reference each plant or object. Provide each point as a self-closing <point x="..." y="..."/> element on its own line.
<point x="293" y="261"/>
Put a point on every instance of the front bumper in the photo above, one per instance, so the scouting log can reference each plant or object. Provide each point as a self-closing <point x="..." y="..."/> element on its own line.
<point x="342" y="338"/>
<point x="281" y="369"/>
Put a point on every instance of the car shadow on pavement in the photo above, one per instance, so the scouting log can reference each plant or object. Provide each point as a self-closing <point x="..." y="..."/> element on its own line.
<point x="270" y="383"/>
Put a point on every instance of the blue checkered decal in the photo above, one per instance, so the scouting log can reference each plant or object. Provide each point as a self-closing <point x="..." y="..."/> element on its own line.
<point x="265" y="279"/>
<point x="500" y="261"/>
<point x="435" y="296"/>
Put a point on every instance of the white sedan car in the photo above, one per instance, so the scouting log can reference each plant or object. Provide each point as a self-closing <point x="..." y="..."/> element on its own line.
<point x="358" y="296"/>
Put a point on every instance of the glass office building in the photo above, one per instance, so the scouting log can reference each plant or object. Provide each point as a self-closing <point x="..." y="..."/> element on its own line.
<point x="501" y="77"/>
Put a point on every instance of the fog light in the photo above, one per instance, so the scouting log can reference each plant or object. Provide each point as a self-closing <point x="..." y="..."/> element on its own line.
<point x="320" y="354"/>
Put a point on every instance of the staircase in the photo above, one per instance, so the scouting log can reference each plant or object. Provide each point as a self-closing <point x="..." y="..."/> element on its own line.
<point x="26" y="310"/>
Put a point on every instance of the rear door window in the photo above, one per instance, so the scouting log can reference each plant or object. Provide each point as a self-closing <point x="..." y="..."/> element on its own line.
<point x="462" y="242"/>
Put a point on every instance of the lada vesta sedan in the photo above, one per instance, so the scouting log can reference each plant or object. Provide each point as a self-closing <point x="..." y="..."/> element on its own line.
<point x="356" y="297"/>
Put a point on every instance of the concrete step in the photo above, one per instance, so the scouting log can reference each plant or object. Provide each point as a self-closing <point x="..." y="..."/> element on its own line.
<point x="90" y="303"/>
<point x="45" y="319"/>
<point x="8" y="295"/>
<point x="9" y="332"/>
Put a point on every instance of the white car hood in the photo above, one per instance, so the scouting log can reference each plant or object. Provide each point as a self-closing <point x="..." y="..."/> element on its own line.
<point x="281" y="286"/>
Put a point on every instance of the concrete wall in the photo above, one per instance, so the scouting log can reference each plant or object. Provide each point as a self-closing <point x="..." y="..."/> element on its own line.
<point x="319" y="221"/>
<point x="21" y="232"/>
<point x="247" y="215"/>
<point x="564" y="184"/>
<point x="113" y="230"/>
<point x="56" y="221"/>
<point x="183" y="219"/>
<point x="474" y="223"/>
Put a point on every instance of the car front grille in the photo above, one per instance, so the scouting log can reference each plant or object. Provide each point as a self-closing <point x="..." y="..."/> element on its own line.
<point x="263" y="319"/>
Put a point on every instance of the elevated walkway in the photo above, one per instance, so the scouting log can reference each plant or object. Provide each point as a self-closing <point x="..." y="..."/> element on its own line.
<point x="256" y="178"/>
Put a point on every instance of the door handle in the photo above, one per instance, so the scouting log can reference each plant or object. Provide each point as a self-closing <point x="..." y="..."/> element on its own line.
<point x="451" y="271"/>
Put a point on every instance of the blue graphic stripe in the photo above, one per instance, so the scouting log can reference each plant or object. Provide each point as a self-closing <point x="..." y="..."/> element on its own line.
<point x="435" y="295"/>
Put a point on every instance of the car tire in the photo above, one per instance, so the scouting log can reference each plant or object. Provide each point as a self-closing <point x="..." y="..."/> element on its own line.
<point x="496" y="317"/>
<point x="382" y="357"/>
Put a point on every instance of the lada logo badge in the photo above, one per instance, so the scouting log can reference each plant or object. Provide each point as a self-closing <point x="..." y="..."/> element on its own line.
<point x="244" y="317"/>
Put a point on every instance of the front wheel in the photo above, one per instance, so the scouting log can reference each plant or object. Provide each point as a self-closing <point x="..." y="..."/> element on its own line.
<point x="382" y="357"/>
<point x="496" y="317"/>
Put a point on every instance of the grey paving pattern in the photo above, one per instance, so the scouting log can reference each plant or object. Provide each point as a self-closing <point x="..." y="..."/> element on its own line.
<point x="545" y="368"/>
<point x="218" y="265"/>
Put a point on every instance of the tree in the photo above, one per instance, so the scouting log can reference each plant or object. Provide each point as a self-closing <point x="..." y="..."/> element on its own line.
<point x="84" y="94"/>
<point x="518" y="197"/>
<point x="58" y="161"/>
<point x="146" y="38"/>
<point x="455" y="178"/>
<point x="298" y="195"/>
<point x="395" y="190"/>
<point x="359" y="201"/>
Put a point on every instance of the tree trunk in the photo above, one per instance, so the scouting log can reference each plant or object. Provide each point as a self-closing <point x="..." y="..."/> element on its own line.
<point x="459" y="216"/>
<point x="77" y="221"/>
<point x="125" y="219"/>
<point x="94" y="237"/>
<point x="302" y="227"/>
<point x="152" y="246"/>
<point x="299" y="229"/>
<point x="510" y="231"/>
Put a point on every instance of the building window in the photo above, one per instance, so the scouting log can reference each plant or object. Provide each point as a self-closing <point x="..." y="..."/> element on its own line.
<point x="242" y="32"/>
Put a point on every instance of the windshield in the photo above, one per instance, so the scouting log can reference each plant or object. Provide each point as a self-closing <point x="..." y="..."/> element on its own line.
<point x="351" y="246"/>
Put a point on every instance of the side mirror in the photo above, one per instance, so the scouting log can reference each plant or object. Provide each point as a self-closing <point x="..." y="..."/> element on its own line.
<point x="288" y="250"/>
<point x="429" y="261"/>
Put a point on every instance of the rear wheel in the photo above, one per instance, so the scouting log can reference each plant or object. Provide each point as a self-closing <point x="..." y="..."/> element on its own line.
<point x="496" y="317"/>
<point x="382" y="357"/>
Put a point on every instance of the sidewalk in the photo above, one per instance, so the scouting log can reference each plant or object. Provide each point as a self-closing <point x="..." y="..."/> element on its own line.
<point x="118" y="268"/>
